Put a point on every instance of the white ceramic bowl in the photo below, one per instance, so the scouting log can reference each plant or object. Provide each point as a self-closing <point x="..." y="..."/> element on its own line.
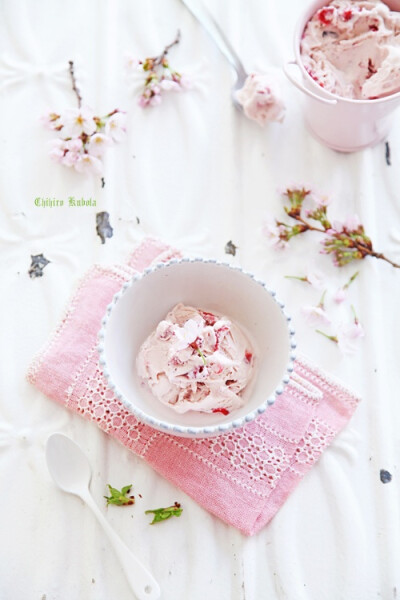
<point x="207" y="284"/>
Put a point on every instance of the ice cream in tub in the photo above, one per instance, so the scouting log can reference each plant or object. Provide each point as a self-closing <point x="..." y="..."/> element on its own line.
<point x="348" y="53"/>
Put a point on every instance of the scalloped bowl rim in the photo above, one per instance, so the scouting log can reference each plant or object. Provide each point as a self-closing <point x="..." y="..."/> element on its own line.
<point x="181" y="430"/>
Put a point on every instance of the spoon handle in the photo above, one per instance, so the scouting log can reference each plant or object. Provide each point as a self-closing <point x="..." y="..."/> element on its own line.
<point x="141" y="581"/>
<point x="218" y="36"/>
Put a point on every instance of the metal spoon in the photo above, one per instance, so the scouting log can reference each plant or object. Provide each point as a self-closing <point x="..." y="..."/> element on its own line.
<point x="70" y="469"/>
<point x="223" y="44"/>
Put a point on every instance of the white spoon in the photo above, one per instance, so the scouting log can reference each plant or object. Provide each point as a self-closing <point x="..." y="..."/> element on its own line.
<point x="70" y="469"/>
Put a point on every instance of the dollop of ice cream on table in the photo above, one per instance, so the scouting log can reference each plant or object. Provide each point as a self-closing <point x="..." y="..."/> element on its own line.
<point x="196" y="360"/>
<point x="261" y="98"/>
<point x="352" y="49"/>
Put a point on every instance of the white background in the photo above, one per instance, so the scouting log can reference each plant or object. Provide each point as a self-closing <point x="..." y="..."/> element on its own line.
<point x="197" y="174"/>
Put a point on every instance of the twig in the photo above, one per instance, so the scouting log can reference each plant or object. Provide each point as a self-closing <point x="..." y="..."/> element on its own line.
<point x="309" y="227"/>
<point x="74" y="86"/>
<point x="159" y="59"/>
<point x="383" y="257"/>
<point x="355" y="244"/>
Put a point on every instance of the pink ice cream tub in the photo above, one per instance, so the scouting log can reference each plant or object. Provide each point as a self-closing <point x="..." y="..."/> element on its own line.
<point x="344" y="124"/>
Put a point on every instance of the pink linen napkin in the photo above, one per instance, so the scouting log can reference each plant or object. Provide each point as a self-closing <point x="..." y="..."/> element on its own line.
<point x="243" y="476"/>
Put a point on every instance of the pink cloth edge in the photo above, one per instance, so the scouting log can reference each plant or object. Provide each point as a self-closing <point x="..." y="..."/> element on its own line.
<point x="145" y="252"/>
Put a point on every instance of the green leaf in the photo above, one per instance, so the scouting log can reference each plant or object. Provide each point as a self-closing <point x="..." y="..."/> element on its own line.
<point x="162" y="514"/>
<point x="120" y="498"/>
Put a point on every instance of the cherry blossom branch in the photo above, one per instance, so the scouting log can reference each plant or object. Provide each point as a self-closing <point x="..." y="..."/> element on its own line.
<point x="158" y="60"/>
<point x="383" y="257"/>
<point x="84" y="136"/>
<point x="346" y="242"/>
<point x="150" y="63"/>
<point x="159" y="76"/>
<point x="352" y="244"/>
<point x="74" y="86"/>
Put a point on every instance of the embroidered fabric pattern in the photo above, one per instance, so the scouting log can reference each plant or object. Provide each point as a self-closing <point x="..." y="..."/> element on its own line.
<point x="241" y="454"/>
<point x="251" y="454"/>
<point x="256" y="455"/>
<point x="318" y="436"/>
<point x="238" y="455"/>
<point x="99" y="404"/>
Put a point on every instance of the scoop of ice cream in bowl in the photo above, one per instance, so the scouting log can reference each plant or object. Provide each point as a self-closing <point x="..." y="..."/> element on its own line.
<point x="196" y="347"/>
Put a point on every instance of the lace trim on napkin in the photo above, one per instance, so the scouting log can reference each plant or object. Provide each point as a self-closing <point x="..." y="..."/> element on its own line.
<point x="247" y="456"/>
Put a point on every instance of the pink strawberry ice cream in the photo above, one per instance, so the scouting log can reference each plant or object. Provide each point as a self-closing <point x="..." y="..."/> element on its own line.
<point x="196" y="360"/>
<point x="352" y="48"/>
<point x="261" y="98"/>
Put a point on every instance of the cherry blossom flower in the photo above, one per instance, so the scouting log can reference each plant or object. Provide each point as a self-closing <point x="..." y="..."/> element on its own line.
<point x="74" y="145"/>
<point x="316" y="315"/>
<point x="347" y="336"/>
<point x="322" y="201"/>
<point x="131" y="62"/>
<point x="352" y="223"/>
<point x="87" y="163"/>
<point x="155" y="98"/>
<point x="115" y="126"/>
<point x="70" y="159"/>
<point x="49" y="120"/>
<point x="185" y="82"/>
<point x="169" y="85"/>
<point x="187" y="334"/>
<point x="341" y="294"/>
<point x="57" y="150"/>
<point x="98" y="143"/>
<point x="76" y="121"/>
<point x="336" y="227"/>
<point x="276" y="234"/>
<point x="314" y="277"/>
<point x="143" y="101"/>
